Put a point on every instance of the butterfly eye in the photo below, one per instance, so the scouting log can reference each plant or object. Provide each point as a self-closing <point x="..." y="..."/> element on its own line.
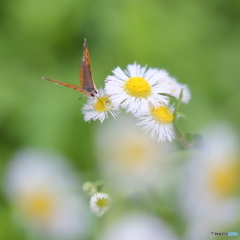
<point x="94" y="93"/>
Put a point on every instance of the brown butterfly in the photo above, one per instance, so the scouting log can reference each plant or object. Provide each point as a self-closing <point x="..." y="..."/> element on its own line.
<point x="87" y="84"/>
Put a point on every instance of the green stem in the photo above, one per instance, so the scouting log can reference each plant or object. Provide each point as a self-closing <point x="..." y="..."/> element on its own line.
<point x="184" y="143"/>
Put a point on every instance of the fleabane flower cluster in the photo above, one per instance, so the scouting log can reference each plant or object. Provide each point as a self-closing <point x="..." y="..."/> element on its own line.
<point x="100" y="202"/>
<point x="145" y="93"/>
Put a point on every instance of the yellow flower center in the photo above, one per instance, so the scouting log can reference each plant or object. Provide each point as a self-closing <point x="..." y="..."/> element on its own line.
<point x="137" y="87"/>
<point x="162" y="114"/>
<point x="102" y="104"/>
<point x="38" y="205"/>
<point x="136" y="153"/>
<point x="225" y="179"/>
<point x="130" y="154"/>
<point x="103" y="202"/>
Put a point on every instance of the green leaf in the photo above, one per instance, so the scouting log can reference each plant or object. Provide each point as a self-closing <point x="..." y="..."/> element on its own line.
<point x="178" y="104"/>
<point x="196" y="140"/>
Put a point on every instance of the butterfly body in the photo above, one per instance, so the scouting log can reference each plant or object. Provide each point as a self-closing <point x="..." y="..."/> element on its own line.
<point x="87" y="87"/>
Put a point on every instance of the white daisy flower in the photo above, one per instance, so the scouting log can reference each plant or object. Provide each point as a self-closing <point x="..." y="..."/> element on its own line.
<point x="208" y="195"/>
<point x="98" y="108"/>
<point x="129" y="159"/>
<point x="158" y="121"/>
<point x="44" y="196"/>
<point x="175" y="87"/>
<point x="100" y="203"/>
<point x="176" y="90"/>
<point x="136" y="88"/>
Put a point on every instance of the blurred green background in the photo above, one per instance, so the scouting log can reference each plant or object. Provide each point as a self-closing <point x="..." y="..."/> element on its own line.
<point x="198" y="42"/>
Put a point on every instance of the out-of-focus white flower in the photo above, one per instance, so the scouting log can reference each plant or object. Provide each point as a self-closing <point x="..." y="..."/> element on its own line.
<point x="100" y="203"/>
<point x="138" y="227"/>
<point x="159" y="122"/>
<point x="175" y="87"/>
<point x="128" y="157"/>
<point x="99" y="107"/>
<point x="137" y="88"/>
<point x="208" y="196"/>
<point x="44" y="193"/>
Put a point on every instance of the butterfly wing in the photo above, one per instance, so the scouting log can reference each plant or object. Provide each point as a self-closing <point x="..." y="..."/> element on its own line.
<point x="75" y="87"/>
<point x="87" y="85"/>
<point x="86" y="78"/>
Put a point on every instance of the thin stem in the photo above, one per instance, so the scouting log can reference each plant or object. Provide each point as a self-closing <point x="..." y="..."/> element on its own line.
<point x="184" y="143"/>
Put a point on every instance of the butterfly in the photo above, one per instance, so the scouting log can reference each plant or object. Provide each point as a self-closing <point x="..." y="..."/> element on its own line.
<point x="87" y="87"/>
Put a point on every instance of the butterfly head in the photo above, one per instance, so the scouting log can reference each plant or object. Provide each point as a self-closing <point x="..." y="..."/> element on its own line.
<point x="94" y="93"/>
